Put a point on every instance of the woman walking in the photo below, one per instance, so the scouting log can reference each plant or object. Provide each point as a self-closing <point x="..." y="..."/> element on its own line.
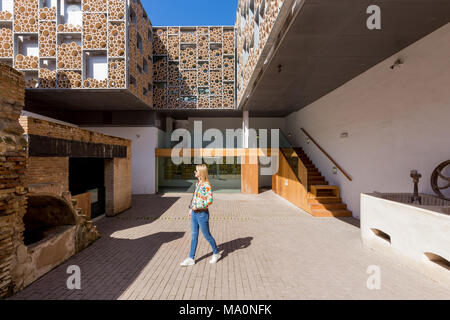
<point x="199" y="214"/>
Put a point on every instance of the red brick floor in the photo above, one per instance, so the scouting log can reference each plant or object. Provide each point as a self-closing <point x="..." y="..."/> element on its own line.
<point x="270" y="249"/>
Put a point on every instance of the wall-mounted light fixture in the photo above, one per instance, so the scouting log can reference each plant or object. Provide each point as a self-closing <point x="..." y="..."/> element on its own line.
<point x="398" y="63"/>
<point x="334" y="170"/>
<point x="308" y="141"/>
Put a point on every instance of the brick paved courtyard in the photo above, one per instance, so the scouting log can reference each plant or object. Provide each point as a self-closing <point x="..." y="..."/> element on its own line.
<point x="270" y="249"/>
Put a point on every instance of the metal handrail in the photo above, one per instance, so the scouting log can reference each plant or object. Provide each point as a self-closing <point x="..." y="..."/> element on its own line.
<point x="327" y="155"/>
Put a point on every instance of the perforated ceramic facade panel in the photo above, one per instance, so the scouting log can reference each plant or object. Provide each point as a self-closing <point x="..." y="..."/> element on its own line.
<point x="200" y="63"/>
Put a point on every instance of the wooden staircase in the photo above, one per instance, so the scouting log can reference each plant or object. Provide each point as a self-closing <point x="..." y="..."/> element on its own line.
<point x="323" y="200"/>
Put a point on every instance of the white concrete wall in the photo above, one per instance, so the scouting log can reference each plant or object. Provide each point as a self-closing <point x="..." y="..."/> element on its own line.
<point x="414" y="231"/>
<point x="144" y="141"/>
<point x="397" y="120"/>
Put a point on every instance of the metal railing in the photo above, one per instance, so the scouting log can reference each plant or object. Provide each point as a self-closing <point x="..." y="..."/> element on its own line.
<point x="327" y="155"/>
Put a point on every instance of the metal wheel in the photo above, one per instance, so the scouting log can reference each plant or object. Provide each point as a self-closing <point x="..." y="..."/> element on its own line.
<point x="436" y="176"/>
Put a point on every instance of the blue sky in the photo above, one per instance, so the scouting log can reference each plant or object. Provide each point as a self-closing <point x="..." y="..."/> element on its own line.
<point x="190" y="12"/>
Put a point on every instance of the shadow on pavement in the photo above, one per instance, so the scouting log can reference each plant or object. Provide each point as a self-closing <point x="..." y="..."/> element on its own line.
<point x="113" y="263"/>
<point x="229" y="247"/>
<point x="351" y="221"/>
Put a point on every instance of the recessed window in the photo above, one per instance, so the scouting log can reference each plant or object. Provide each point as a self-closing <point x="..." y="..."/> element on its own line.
<point x="139" y="43"/>
<point x="65" y="38"/>
<point x="31" y="79"/>
<point x="262" y="8"/>
<point x="48" y="3"/>
<point x="27" y="45"/>
<point x="7" y="5"/>
<point x="70" y="12"/>
<point x="96" y="65"/>
<point x="150" y="35"/>
<point x="145" y="66"/>
<point x="257" y="17"/>
<point x="132" y="81"/>
<point x="49" y="64"/>
<point x="252" y="6"/>
<point x="216" y="46"/>
<point x="133" y="17"/>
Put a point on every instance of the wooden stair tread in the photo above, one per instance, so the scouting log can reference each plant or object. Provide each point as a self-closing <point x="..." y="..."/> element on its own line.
<point x="324" y="200"/>
<point x="316" y="177"/>
<point x="328" y="206"/>
<point x="331" y="213"/>
<point x="328" y="187"/>
<point x="317" y="183"/>
<point x="320" y="198"/>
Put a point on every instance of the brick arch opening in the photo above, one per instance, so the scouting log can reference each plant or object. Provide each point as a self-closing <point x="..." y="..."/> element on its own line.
<point x="46" y="215"/>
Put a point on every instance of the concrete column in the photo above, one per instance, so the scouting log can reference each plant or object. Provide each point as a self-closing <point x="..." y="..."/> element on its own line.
<point x="245" y="129"/>
<point x="169" y="124"/>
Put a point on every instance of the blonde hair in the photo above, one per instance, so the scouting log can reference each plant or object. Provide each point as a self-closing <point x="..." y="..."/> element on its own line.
<point x="202" y="169"/>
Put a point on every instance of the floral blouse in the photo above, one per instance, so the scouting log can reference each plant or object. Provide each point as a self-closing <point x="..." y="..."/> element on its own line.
<point x="202" y="196"/>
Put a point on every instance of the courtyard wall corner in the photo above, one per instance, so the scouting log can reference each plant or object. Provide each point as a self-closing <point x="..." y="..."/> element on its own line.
<point x="12" y="170"/>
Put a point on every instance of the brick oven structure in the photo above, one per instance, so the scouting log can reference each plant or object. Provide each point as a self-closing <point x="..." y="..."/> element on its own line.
<point x="53" y="146"/>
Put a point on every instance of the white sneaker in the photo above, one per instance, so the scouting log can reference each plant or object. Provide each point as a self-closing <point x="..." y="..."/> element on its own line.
<point x="187" y="262"/>
<point x="215" y="258"/>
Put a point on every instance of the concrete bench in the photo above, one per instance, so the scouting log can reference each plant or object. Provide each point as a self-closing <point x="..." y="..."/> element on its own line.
<point x="420" y="234"/>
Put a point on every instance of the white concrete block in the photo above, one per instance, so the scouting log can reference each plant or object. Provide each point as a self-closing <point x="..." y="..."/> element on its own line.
<point x="418" y="234"/>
